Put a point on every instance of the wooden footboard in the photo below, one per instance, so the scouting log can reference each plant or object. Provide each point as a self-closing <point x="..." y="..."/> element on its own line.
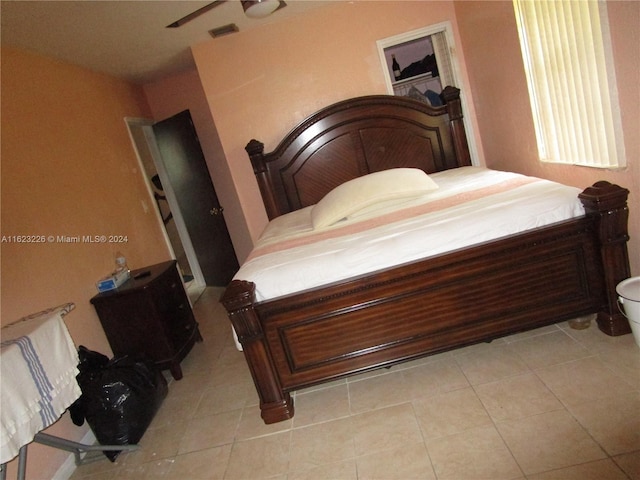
<point x="472" y="295"/>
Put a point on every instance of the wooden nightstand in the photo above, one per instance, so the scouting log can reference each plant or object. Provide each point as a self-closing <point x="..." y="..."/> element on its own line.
<point x="150" y="315"/>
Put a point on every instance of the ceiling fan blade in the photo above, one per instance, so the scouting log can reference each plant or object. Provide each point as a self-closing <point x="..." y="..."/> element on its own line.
<point x="195" y="14"/>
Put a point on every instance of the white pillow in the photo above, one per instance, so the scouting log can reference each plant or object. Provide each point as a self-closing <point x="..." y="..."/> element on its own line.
<point x="361" y="192"/>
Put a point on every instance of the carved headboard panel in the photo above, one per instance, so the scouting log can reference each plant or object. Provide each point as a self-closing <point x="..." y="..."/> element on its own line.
<point x="356" y="137"/>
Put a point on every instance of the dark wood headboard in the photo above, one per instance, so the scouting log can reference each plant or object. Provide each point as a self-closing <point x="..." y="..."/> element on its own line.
<point x="353" y="138"/>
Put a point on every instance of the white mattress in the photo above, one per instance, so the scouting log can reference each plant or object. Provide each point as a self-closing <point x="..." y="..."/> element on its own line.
<point x="290" y="257"/>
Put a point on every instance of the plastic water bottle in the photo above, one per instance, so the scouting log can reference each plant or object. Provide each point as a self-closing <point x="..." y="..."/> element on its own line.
<point x="121" y="263"/>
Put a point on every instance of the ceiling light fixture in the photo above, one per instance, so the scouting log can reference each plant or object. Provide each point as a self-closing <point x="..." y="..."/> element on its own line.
<point x="259" y="8"/>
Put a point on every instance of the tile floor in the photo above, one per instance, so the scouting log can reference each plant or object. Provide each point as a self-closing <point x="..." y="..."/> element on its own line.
<point x="554" y="403"/>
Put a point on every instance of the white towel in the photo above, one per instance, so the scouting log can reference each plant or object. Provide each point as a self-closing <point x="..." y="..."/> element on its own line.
<point x="38" y="365"/>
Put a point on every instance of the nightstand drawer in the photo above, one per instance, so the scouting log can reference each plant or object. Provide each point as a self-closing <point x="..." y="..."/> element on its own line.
<point x="150" y="316"/>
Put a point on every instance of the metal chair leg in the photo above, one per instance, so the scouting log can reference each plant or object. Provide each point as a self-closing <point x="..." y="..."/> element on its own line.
<point x="79" y="448"/>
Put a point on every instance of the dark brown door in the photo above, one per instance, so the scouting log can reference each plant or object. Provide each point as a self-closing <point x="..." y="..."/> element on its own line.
<point x="203" y="215"/>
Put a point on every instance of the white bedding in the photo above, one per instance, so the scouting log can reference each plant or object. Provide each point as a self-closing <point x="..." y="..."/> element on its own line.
<point x="39" y="367"/>
<point x="290" y="256"/>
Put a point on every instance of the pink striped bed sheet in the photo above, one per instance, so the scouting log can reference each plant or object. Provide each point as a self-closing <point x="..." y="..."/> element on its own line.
<point x="472" y="205"/>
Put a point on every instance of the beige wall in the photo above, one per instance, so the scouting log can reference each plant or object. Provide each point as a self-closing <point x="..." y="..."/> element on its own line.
<point x="262" y="82"/>
<point x="68" y="168"/>
<point x="184" y="92"/>
<point x="495" y="68"/>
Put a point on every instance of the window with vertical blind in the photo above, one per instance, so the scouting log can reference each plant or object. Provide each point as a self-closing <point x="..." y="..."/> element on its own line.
<point x="567" y="56"/>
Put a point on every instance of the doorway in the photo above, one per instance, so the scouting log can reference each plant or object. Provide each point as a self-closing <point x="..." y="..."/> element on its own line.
<point x="160" y="203"/>
<point x="185" y="169"/>
<point x="419" y="64"/>
<point x="165" y="202"/>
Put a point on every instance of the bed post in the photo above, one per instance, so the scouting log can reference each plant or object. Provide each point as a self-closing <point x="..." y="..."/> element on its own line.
<point x="607" y="204"/>
<point x="451" y="97"/>
<point x="255" y="149"/>
<point x="238" y="299"/>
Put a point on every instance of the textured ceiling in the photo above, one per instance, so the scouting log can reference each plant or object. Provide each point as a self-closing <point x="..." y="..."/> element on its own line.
<point x="127" y="39"/>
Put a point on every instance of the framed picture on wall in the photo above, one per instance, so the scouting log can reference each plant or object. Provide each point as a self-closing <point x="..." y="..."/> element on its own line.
<point x="418" y="62"/>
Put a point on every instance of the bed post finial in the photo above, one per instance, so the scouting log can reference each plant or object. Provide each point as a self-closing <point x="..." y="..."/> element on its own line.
<point x="451" y="97"/>
<point x="608" y="204"/>
<point x="255" y="149"/>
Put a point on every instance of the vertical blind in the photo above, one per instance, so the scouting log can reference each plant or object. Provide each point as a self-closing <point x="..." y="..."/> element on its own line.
<point x="571" y="89"/>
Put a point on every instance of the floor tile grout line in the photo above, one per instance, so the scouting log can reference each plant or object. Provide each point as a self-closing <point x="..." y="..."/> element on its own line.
<point x="494" y="423"/>
<point x="425" y="441"/>
<point x="590" y="348"/>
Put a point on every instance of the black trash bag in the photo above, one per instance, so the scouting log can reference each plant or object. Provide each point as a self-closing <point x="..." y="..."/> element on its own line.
<point x="119" y="397"/>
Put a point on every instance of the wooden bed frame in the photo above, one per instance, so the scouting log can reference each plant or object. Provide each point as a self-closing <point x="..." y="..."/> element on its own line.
<point x="476" y="294"/>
